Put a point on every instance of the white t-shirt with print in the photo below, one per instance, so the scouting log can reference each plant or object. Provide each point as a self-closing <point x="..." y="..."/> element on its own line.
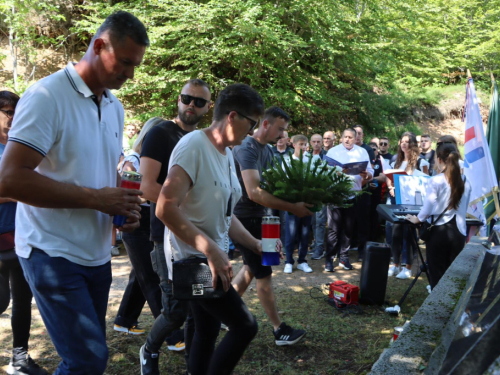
<point x="205" y="204"/>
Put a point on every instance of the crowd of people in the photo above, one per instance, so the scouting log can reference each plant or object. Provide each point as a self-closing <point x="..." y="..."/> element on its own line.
<point x="200" y="192"/>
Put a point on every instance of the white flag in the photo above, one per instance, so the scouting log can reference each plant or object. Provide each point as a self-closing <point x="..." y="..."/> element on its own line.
<point x="478" y="165"/>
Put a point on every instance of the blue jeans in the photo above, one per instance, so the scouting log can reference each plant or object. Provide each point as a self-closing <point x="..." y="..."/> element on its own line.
<point x="296" y="226"/>
<point x="318" y="227"/>
<point x="72" y="300"/>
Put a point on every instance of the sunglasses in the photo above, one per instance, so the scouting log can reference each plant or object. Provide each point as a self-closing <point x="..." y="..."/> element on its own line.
<point x="253" y="123"/>
<point x="384" y="144"/>
<point x="198" y="102"/>
<point x="9" y="114"/>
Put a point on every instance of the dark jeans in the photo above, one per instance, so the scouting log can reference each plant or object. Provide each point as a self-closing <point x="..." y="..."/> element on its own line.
<point x="340" y="231"/>
<point x="208" y="314"/>
<point x="173" y="313"/>
<point x="296" y="224"/>
<point x="12" y="281"/>
<point x="363" y="203"/>
<point x="72" y="300"/>
<point x="445" y="243"/>
<point x="143" y="283"/>
<point x="318" y="223"/>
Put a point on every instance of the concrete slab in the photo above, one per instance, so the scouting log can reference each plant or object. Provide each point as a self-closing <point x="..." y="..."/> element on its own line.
<point x="426" y="332"/>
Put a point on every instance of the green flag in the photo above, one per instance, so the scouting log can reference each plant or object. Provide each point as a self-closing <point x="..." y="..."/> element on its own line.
<point x="493" y="138"/>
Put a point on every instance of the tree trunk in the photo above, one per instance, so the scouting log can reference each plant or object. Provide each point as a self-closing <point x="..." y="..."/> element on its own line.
<point x="13" y="52"/>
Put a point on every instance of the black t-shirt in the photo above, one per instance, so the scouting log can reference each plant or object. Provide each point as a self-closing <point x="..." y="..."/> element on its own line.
<point x="429" y="156"/>
<point x="158" y="145"/>
<point x="370" y="151"/>
<point x="387" y="156"/>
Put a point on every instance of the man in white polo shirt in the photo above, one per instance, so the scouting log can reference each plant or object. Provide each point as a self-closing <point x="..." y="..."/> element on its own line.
<point x="341" y="220"/>
<point x="60" y="164"/>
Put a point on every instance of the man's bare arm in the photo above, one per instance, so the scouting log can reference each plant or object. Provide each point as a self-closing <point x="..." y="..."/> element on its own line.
<point x="150" y="170"/>
<point x="20" y="181"/>
<point x="251" y="179"/>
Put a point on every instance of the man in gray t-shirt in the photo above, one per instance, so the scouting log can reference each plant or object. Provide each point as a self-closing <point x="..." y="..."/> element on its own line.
<point x="251" y="158"/>
<point x="251" y="155"/>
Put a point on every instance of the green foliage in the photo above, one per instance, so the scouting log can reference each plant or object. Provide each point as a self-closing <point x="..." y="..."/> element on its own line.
<point x="312" y="182"/>
<point x="329" y="64"/>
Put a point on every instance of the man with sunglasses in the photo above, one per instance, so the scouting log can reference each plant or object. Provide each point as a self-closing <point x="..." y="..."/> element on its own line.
<point x="193" y="103"/>
<point x="384" y="148"/>
<point x="251" y="158"/>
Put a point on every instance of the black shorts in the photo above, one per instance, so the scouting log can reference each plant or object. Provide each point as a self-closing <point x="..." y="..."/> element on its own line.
<point x="252" y="260"/>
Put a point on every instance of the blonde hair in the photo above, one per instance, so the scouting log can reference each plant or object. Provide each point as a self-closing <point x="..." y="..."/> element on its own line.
<point x="152" y="122"/>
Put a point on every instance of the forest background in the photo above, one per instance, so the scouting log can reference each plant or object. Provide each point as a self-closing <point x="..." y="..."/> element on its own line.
<point x="329" y="64"/>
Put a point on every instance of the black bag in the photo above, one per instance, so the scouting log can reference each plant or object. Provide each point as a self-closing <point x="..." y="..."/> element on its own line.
<point x="192" y="280"/>
<point x="425" y="230"/>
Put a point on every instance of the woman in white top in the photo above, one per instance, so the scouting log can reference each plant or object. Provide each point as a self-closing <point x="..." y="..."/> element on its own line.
<point x="447" y="192"/>
<point x="407" y="160"/>
<point x="196" y="205"/>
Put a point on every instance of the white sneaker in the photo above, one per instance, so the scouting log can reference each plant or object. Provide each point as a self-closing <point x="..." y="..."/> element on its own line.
<point x="404" y="274"/>
<point x="393" y="270"/>
<point x="115" y="250"/>
<point x="288" y="268"/>
<point x="304" y="267"/>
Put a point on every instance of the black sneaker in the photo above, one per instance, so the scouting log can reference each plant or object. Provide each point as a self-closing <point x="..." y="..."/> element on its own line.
<point x="286" y="335"/>
<point x="318" y="257"/>
<point x="25" y="366"/>
<point x="346" y="264"/>
<point x="149" y="362"/>
<point x="329" y="265"/>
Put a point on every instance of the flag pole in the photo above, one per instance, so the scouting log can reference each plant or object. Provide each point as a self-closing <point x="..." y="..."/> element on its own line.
<point x="468" y="74"/>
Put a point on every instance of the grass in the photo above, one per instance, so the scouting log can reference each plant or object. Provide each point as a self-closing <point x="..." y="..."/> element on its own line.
<point x="335" y="343"/>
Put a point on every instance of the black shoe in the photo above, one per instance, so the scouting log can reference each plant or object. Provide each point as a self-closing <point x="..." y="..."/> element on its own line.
<point x="149" y="362"/>
<point x="346" y="264"/>
<point x="25" y="367"/>
<point x="318" y="257"/>
<point x="286" y="335"/>
<point x="329" y="265"/>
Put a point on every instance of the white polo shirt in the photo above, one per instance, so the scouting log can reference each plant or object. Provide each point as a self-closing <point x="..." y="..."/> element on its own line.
<point x="355" y="154"/>
<point x="81" y="144"/>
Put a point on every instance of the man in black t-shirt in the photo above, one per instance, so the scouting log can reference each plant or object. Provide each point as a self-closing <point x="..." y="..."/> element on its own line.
<point x="384" y="148"/>
<point x="193" y="103"/>
<point x="427" y="153"/>
<point x="364" y="200"/>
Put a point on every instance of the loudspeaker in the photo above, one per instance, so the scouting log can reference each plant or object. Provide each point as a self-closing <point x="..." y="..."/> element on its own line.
<point x="374" y="270"/>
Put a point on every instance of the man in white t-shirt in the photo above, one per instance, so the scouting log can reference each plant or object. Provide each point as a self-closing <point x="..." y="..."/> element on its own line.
<point x="60" y="164"/>
<point x="341" y="220"/>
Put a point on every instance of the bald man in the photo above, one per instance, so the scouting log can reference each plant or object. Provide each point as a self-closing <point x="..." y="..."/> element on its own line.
<point x="328" y="140"/>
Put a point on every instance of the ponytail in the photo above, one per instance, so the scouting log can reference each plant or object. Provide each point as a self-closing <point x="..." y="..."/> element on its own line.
<point x="449" y="155"/>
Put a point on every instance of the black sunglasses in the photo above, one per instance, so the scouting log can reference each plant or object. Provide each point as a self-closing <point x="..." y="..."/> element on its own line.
<point x="9" y="114"/>
<point x="253" y="123"/>
<point x="198" y="102"/>
<point x="384" y="144"/>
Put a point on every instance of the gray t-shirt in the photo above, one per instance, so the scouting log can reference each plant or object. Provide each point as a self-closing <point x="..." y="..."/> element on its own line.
<point x="207" y="202"/>
<point x="251" y="155"/>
